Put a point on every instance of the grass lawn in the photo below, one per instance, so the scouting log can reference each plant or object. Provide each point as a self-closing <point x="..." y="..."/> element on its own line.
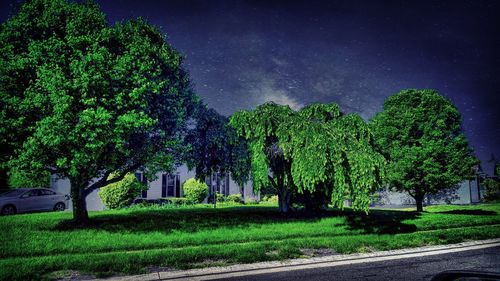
<point x="34" y="246"/>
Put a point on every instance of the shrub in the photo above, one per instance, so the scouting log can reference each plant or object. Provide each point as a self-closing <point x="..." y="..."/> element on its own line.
<point x="120" y="194"/>
<point x="178" y="201"/>
<point x="195" y="191"/>
<point x="251" y="201"/>
<point x="234" y="198"/>
<point x="220" y="197"/>
<point x="270" y="198"/>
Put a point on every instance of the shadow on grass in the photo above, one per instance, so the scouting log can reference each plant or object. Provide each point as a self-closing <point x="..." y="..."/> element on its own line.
<point x="192" y="220"/>
<point x="186" y="220"/>
<point x="382" y="222"/>
<point x="472" y="212"/>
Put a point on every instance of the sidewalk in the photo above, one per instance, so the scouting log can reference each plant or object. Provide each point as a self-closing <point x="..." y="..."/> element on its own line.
<point x="309" y="263"/>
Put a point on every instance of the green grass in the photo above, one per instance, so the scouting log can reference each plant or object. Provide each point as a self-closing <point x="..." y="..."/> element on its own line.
<point x="129" y="241"/>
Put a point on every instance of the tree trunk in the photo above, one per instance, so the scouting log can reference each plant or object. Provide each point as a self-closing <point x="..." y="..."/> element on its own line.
<point x="80" y="214"/>
<point x="420" y="204"/>
<point x="284" y="200"/>
<point x="419" y="200"/>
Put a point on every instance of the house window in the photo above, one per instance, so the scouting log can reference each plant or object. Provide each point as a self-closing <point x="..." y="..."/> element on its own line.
<point x="170" y="185"/>
<point x="177" y="186"/>
<point x="140" y="177"/>
<point x="164" y="185"/>
<point x="219" y="183"/>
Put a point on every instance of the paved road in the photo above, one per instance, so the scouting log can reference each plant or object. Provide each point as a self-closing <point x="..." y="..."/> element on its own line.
<point x="422" y="268"/>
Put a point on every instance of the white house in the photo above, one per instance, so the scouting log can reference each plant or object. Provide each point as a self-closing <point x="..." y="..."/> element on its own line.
<point x="170" y="185"/>
<point x="166" y="185"/>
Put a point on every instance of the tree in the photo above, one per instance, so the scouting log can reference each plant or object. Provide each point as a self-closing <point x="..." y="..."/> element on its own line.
<point x="215" y="147"/>
<point x="315" y="150"/>
<point x="492" y="186"/>
<point x="419" y="132"/>
<point x="82" y="99"/>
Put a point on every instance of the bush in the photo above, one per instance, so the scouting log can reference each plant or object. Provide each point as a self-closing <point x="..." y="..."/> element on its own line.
<point x="220" y="197"/>
<point x="120" y="194"/>
<point x="195" y="191"/>
<point x="234" y="198"/>
<point x="251" y="201"/>
<point x="178" y="201"/>
<point x="270" y="198"/>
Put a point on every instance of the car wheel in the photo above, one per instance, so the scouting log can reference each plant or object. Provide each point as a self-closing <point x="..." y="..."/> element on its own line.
<point x="9" y="210"/>
<point x="59" y="207"/>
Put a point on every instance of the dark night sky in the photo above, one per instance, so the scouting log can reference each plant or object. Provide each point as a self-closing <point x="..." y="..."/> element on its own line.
<point x="356" y="53"/>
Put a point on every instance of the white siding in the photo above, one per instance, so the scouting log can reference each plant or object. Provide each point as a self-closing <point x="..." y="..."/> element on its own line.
<point x="94" y="203"/>
<point x="461" y="194"/>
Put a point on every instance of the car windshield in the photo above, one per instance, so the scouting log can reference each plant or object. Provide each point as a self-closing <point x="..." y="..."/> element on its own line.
<point x="13" y="193"/>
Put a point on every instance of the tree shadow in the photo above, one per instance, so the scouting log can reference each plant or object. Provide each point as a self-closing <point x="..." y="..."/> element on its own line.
<point x="472" y="212"/>
<point x="186" y="220"/>
<point x="193" y="220"/>
<point x="382" y="221"/>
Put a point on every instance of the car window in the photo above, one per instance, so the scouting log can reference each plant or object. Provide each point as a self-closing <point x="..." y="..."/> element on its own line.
<point x="46" y="192"/>
<point x="31" y="193"/>
<point x="34" y="192"/>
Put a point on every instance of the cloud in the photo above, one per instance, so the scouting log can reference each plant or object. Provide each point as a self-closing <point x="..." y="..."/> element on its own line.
<point x="266" y="90"/>
<point x="280" y="97"/>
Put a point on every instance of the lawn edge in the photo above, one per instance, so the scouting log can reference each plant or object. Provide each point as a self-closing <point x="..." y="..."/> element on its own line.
<point x="238" y="270"/>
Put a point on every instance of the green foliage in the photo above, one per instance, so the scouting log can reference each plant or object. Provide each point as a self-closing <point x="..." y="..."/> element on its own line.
<point x="83" y="99"/>
<point x="316" y="148"/>
<point x="220" y="197"/>
<point x="492" y="190"/>
<point x="215" y="148"/>
<point x="259" y="128"/>
<point x="163" y="203"/>
<point x="178" y="201"/>
<point x="195" y="191"/>
<point x="270" y="198"/>
<point x="131" y="240"/>
<point x="251" y="201"/>
<point x="19" y="179"/>
<point x="235" y="198"/>
<point x="419" y="132"/>
<point x="120" y="194"/>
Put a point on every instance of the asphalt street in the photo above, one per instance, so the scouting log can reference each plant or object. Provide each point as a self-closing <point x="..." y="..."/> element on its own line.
<point x="409" y="269"/>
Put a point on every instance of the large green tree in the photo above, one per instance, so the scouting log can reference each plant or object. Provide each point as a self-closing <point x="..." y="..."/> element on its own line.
<point x="314" y="150"/>
<point x="419" y="132"/>
<point x="83" y="99"/>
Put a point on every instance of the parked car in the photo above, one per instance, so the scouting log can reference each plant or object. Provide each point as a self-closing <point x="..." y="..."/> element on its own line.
<point x="23" y="200"/>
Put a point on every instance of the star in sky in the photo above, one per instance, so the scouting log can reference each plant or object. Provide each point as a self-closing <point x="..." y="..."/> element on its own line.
<point x="355" y="53"/>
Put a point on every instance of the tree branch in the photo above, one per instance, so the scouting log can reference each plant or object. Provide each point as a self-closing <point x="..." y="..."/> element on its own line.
<point x="105" y="181"/>
<point x="411" y="194"/>
<point x="271" y="179"/>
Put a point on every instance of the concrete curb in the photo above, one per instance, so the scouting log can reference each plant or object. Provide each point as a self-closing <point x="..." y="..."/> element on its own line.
<point x="306" y="263"/>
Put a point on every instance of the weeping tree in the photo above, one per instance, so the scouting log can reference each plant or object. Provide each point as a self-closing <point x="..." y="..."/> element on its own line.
<point x="316" y="150"/>
<point x="82" y="99"/>
<point x="420" y="134"/>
